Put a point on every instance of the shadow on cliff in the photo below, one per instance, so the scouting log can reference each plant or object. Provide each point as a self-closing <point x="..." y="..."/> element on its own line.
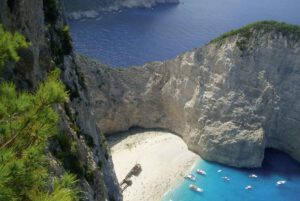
<point x="115" y="138"/>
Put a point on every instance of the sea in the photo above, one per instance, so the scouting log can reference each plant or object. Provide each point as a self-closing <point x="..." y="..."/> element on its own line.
<point x="132" y="37"/>
<point x="277" y="166"/>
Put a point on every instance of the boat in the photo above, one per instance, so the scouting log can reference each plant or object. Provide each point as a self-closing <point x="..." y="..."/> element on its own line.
<point x="195" y="188"/>
<point x="202" y="172"/>
<point x="248" y="187"/>
<point x="190" y="177"/>
<point x="281" y="182"/>
<point x="219" y="171"/>
<point x="226" y="178"/>
<point x="253" y="176"/>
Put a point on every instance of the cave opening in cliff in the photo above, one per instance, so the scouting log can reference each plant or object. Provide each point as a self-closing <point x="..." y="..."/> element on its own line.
<point x="280" y="165"/>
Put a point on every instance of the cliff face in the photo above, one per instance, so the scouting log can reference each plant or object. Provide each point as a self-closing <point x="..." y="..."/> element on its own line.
<point x="43" y="25"/>
<point x="229" y="100"/>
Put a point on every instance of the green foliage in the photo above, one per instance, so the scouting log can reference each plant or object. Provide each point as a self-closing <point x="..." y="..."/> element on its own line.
<point x="60" y="42"/>
<point x="51" y="11"/>
<point x="104" y="146"/>
<point x="59" y="36"/>
<point x="27" y="120"/>
<point x="65" y="38"/>
<point x="89" y="140"/>
<point x="68" y="155"/>
<point x="62" y="190"/>
<point x="266" y="26"/>
<point x="9" y="43"/>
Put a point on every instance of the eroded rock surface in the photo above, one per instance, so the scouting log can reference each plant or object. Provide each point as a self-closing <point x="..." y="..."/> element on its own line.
<point x="229" y="100"/>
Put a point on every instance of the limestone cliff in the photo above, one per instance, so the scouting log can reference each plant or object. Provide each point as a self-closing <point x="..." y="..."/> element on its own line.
<point x="43" y="24"/>
<point x="229" y="100"/>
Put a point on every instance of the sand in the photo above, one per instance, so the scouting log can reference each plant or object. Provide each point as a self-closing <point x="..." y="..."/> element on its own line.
<point x="164" y="158"/>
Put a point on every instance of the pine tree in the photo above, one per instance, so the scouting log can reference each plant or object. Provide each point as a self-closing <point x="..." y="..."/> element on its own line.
<point x="9" y="44"/>
<point x="27" y="120"/>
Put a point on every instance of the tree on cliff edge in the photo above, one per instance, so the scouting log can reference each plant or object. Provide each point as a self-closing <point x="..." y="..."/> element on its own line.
<point x="27" y="120"/>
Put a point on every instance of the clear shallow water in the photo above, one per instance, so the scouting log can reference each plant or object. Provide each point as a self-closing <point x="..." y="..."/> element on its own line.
<point x="136" y="36"/>
<point x="277" y="166"/>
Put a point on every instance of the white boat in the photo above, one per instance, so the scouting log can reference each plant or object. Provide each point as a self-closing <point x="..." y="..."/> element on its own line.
<point x="281" y="182"/>
<point x="195" y="188"/>
<point x="253" y="176"/>
<point x="226" y="178"/>
<point x="219" y="171"/>
<point x="202" y="172"/>
<point x="190" y="177"/>
<point x="248" y="187"/>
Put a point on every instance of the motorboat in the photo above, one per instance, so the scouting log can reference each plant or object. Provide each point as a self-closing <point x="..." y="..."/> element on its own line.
<point x="281" y="182"/>
<point x="201" y="172"/>
<point x="226" y="178"/>
<point x="190" y="177"/>
<point x="195" y="188"/>
<point x="219" y="171"/>
<point x="253" y="176"/>
<point x="248" y="187"/>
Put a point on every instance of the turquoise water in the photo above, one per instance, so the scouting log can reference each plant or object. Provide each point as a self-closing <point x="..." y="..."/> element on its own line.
<point x="136" y="36"/>
<point x="277" y="166"/>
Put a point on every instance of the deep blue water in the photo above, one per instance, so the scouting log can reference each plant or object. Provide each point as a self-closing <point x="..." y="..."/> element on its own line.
<point x="277" y="166"/>
<point x="136" y="36"/>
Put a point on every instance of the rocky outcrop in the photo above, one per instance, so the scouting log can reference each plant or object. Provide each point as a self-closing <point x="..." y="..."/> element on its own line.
<point x="78" y="9"/>
<point x="229" y="100"/>
<point x="43" y="24"/>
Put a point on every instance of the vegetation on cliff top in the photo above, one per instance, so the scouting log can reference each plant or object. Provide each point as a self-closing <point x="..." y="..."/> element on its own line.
<point x="27" y="120"/>
<point x="267" y="26"/>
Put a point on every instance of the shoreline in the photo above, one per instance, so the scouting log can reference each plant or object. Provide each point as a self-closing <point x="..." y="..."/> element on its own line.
<point x="164" y="158"/>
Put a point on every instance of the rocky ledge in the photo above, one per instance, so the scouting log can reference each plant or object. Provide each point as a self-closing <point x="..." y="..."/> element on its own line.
<point x="229" y="100"/>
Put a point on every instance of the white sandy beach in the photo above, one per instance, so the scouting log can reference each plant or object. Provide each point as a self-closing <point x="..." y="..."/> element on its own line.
<point x="164" y="158"/>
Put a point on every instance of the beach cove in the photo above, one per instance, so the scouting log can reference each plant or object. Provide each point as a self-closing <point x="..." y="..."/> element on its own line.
<point x="164" y="159"/>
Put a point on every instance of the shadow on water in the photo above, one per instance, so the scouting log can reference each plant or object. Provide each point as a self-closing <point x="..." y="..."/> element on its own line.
<point x="275" y="163"/>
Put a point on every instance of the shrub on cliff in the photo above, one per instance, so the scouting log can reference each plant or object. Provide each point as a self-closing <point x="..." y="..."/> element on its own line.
<point x="9" y="43"/>
<point x="266" y="26"/>
<point x="27" y="120"/>
<point x="66" y="41"/>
